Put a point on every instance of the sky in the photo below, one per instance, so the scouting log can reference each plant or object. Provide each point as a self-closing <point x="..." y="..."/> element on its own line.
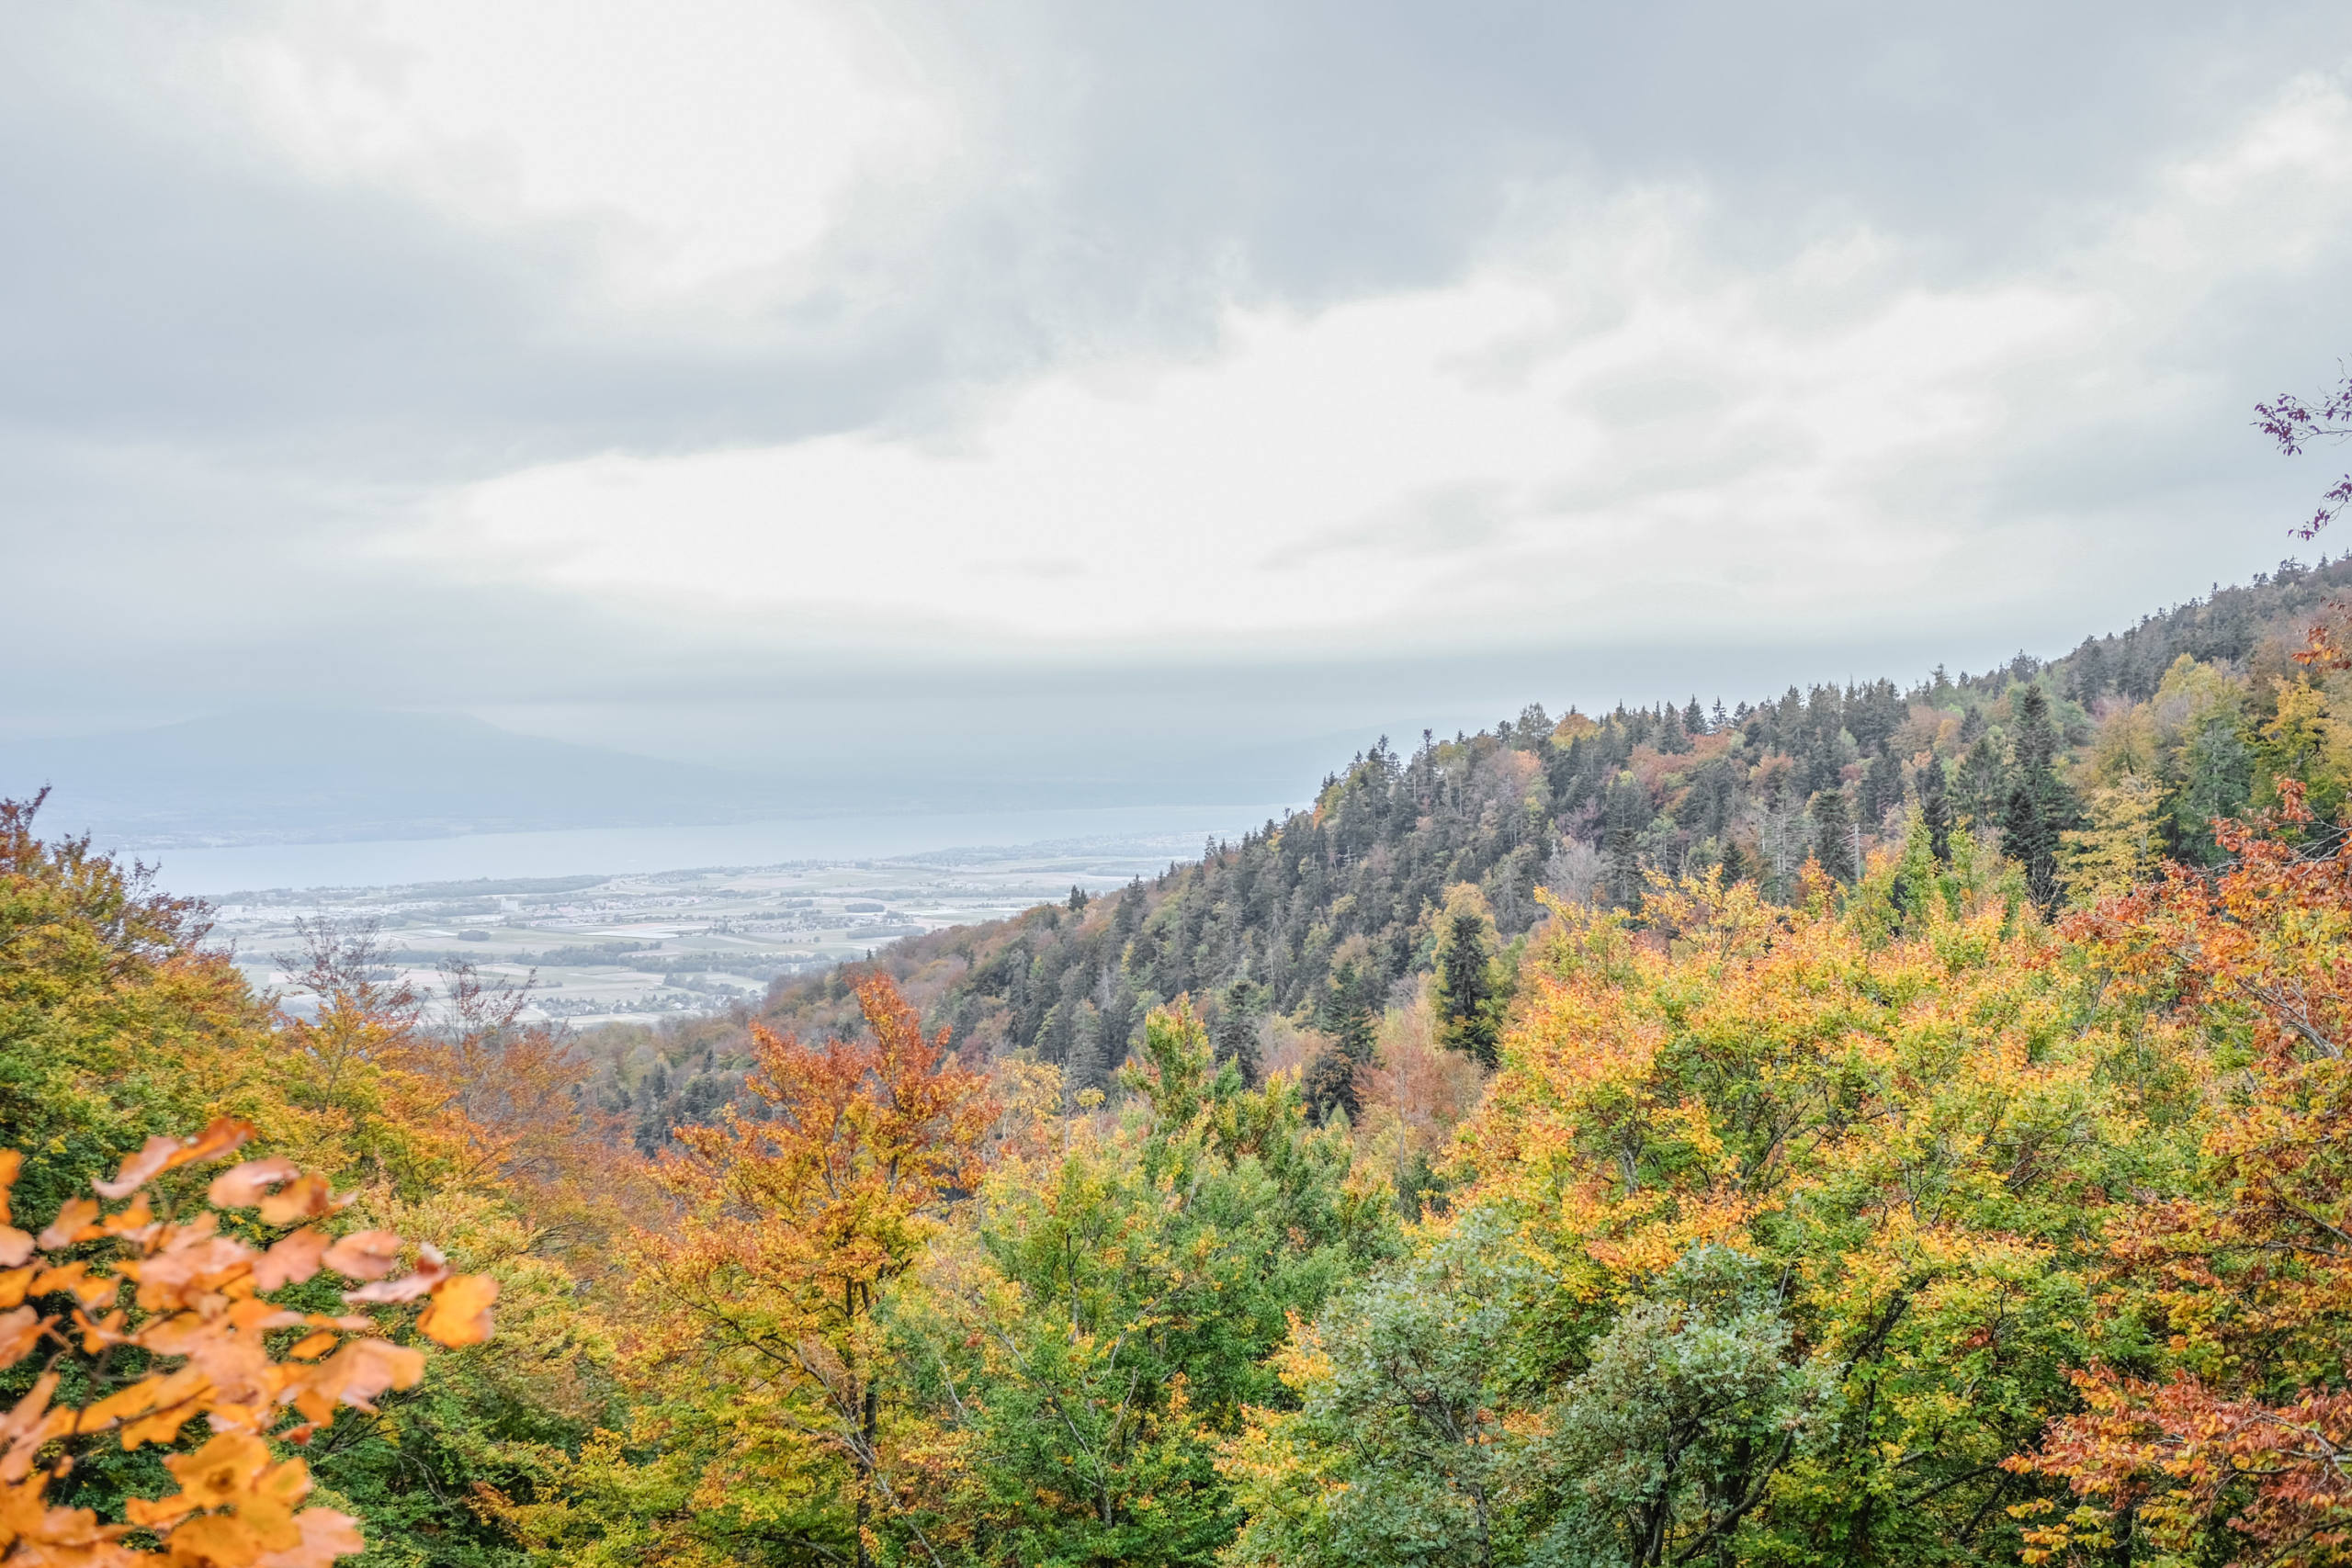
<point x="1110" y="391"/>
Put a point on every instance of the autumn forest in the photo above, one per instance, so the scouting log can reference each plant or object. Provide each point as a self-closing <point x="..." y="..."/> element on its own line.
<point x="1895" y="1124"/>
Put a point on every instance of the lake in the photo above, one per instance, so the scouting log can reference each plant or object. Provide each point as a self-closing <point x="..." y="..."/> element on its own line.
<point x="616" y="850"/>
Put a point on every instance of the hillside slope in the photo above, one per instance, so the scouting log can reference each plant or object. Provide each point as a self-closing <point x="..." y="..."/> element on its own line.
<point x="1334" y="910"/>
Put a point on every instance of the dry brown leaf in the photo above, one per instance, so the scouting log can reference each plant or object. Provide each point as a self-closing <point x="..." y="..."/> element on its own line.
<point x="226" y="1135"/>
<point x="408" y="1287"/>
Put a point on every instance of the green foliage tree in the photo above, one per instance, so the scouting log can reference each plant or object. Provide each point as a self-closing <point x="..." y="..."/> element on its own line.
<point x="1112" y="1319"/>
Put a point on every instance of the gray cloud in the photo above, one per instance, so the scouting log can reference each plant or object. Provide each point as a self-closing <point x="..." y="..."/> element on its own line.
<point x="223" y="375"/>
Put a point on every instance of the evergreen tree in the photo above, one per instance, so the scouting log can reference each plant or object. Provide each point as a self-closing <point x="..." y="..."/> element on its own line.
<point x="1672" y="738"/>
<point x="1980" y="786"/>
<point x="1235" y="1037"/>
<point x="1882" y="789"/>
<point x="1628" y="812"/>
<point x="2039" y="808"/>
<point x="1935" y="809"/>
<point x="1833" y="834"/>
<point x="1469" y="987"/>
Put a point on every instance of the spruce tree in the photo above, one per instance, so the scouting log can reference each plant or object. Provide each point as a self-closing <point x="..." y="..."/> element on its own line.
<point x="1235" y="1037"/>
<point x="1347" y="1013"/>
<point x="1833" y="834"/>
<point x="1467" y="988"/>
<point x="1981" y="786"/>
<point x="2038" y="808"/>
<point x="1882" y="789"/>
<point x="1935" y="808"/>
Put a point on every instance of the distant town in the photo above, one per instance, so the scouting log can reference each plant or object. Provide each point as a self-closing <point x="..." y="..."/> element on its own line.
<point x="602" y="949"/>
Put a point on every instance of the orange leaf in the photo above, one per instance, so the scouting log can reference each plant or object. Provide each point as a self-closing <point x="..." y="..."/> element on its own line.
<point x="71" y="1225"/>
<point x="16" y="1246"/>
<point x="459" y="1312"/>
<point x="214" y="1541"/>
<point x="325" y="1536"/>
<point x="224" y="1137"/>
<point x="364" y="1255"/>
<point x="304" y="1198"/>
<point x="20" y="1332"/>
<point x="294" y="1259"/>
<point x="242" y="1186"/>
<point x="153" y="1155"/>
<point x="11" y="1162"/>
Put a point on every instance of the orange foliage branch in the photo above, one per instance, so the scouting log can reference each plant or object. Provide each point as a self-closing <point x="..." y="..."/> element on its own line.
<point x="194" y="1303"/>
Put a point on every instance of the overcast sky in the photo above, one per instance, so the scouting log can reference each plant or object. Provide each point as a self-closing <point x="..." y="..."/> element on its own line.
<point x="734" y="379"/>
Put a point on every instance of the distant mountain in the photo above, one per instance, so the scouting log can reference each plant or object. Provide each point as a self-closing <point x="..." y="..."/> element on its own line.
<point x="297" y="774"/>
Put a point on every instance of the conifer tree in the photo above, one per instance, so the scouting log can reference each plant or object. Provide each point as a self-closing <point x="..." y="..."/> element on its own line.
<point x="1469" y="987"/>
<point x="1833" y="834"/>
<point x="2038" y="808"/>
<point x="1235" y="1037"/>
<point x="1935" y="809"/>
<point x="1980" y="786"/>
<point x="1882" y="789"/>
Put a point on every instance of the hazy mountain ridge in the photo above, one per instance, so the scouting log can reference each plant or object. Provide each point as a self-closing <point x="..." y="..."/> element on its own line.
<point x="293" y="775"/>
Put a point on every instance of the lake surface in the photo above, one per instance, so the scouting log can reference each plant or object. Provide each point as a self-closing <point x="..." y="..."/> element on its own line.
<point x="616" y="850"/>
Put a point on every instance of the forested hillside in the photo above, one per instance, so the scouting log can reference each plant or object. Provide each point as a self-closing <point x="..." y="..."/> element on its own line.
<point x="1334" y="912"/>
